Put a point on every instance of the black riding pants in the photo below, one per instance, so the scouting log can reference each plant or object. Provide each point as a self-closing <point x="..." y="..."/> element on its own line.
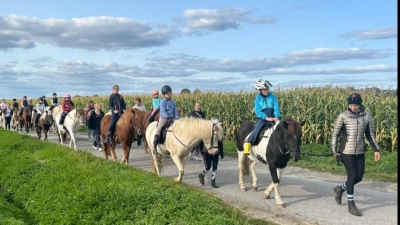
<point x="354" y="165"/>
<point x="210" y="160"/>
<point x="8" y="121"/>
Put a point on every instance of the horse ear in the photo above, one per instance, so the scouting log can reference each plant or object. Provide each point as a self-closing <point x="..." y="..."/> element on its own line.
<point x="285" y="124"/>
<point x="302" y="123"/>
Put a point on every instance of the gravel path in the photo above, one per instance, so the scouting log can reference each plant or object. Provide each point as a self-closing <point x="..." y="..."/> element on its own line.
<point x="308" y="195"/>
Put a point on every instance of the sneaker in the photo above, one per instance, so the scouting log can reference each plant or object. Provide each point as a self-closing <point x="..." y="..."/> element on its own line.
<point x="94" y="147"/>
<point x="100" y="149"/>
<point x="139" y="146"/>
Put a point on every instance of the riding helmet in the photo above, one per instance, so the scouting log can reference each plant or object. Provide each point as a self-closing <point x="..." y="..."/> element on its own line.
<point x="155" y="92"/>
<point x="40" y="99"/>
<point x="262" y="84"/>
<point x="165" y="89"/>
<point x="54" y="93"/>
<point x="67" y="96"/>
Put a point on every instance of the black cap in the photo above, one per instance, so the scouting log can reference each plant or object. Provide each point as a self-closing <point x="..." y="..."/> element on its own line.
<point x="354" y="98"/>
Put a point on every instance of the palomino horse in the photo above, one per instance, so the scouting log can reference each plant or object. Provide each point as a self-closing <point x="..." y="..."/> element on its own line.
<point x="277" y="146"/>
<point x="44" y="124"/>
<point x="143" y="117"/>
<point x="54" y="111"/>
<point x="14" y="119"/>
<point x="180" y="138"/>
<point x="73" y="120"/>
<point x="124" y="133"/>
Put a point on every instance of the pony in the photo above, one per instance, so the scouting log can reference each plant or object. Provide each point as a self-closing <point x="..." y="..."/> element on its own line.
<point x="44" y="124"/>
<point x="143" y="117"/>
<point x="125" y="127"/>
<point x="180" y="138"/>
<point x="26" y="118"/>
<point x="277" y="146"/>
<point x="15" y="120"/>
<point x="73" y="120"/>
<point x="54" y="111"/>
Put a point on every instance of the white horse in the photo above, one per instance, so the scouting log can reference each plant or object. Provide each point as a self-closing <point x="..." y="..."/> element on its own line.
<point x="73" y="120"/>
<point x="181" y="137"/>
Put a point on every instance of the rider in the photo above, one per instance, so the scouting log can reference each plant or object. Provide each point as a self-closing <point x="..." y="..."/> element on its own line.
<point x="15" y="105"/>
<point x="168" y="112"/>
<point x="54" y="100"/>
<point x="24" y="103"/>
<point x="40" y="107"/>
<point x="266" y="108"/>
<point x="3" y="105"/>
<point x="156" y="105"/>
<point x="67" y="106"/>
<point x="117" y="105"/>
<point x="30" y="101"/>
<point x="45" y="101"/>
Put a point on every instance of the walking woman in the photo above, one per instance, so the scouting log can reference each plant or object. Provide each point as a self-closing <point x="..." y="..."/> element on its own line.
<point x="352" y="124"/>
<point x="8" y="114"/>
<point x="211" y="161"/>
<point x="94" y="122"/>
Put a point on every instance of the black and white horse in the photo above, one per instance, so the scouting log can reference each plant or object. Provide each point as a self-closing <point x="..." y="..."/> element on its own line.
<point x="277" y="145"/>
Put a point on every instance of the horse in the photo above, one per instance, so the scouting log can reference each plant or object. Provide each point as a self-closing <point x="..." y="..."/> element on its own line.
<point x="44" y="124"/>
<point x="26" y="117"/>
<point x="54" y="111"/>
<point x="143" y="117"/>
<point x="15" y="120"/>
<point x="73" y="120"/>
<point x="124" y="133"/>
<point x="277" y="146"/>
<point x="180" y="138"/>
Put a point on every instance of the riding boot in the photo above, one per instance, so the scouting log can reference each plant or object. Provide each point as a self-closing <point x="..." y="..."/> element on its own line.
<point x="107" y="140"/>
<point x="247" y="147"/>
<point x="201" y="178"/>
<point x="151" y="118"/>
<point x="155" y="143"/>
<point x="353" y="208"/>
<point x="339" y="191"/>
<point x="213" y="184"/>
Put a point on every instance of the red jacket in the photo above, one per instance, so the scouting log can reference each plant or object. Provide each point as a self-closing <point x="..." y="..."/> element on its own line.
<point x="67" y="106"/>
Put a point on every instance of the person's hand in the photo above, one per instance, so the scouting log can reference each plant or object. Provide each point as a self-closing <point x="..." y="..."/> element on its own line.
<point x="222" y="156"/>
<point x="115" y="111"/>
<point x="336" y="154"/>
<point x="377" y="156"/>
<point x="269" y="119"/>
<point x="276" y="120"/>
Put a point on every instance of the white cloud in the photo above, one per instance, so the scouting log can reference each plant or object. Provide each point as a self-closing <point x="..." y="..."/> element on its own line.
<point x="91" y="33"/>
<point x="200" y="21"/>
<point x="377" y="33"/>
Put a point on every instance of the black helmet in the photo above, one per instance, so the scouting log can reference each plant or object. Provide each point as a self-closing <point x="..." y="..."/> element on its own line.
<point x="14" y="99"/>
<point x="165" y="89"/>
<point x="54" y="93"/>
<point x="43" y="96"/>
<point x="40" y="99"/>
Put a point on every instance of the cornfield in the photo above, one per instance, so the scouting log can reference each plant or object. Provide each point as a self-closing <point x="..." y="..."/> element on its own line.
<point x="319" y="106"/>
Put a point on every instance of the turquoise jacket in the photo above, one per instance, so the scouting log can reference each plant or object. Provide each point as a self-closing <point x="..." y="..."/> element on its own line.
<point x="261" y="103"/>
<point x="156" y="103"/>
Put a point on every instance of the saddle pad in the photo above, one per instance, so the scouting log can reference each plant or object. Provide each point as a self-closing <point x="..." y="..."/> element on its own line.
<point x="258" y="152"/>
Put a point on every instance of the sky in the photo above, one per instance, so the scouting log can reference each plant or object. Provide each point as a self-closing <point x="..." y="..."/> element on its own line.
<point x="85" y="47"/>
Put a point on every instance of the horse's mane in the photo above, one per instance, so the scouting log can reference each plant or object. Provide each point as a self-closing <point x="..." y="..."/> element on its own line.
<point x="192" y="126"/>
<point x="127" y="119"/>
<point x="293" y="126"/>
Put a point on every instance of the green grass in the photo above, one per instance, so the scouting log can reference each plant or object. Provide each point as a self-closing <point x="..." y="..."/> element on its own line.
<point x="383" y="170"/>
<point x="44" y="183"/>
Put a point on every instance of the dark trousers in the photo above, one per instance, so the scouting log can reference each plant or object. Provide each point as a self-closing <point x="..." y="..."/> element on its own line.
<point x="96" y="141"/>
<point x="114" y="118"/>
<point x="139" y="139"/>
<point x="354" y="165"/>
<point x="8" y="121"/>
<point x="257" y="126"/>
<point x="210" y="160"/>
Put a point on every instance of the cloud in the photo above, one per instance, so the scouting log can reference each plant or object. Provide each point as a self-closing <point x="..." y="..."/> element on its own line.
<point x="40" y="59"/>
<point x="200" y="21"/>
<point x="90" y="33"/>
<point x="304" y="57"/>
<point x="377" y="33"/>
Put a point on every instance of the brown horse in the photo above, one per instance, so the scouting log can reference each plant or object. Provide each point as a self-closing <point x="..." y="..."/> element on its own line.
<point x="26" y="117"/>
<point x="44" y="124"/>
<point x="124" y="132"/>
<point x="143" y="117"/>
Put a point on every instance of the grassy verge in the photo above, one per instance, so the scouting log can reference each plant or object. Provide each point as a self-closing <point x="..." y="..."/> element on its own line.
<point x="384" y="170"/>
<point x="43" y="183"/>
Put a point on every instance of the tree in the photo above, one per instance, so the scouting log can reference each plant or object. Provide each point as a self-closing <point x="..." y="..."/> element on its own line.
<point x="196" y="91"/>
<point x="185" y="91"/>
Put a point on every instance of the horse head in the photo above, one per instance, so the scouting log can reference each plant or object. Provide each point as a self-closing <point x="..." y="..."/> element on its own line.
<point x="134" y="116"/>
<point x="47" y="117"/>
<point x="292" y="136"/>
<point x="80" y="115"/>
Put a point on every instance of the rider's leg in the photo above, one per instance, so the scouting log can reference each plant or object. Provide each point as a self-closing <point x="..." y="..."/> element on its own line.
<point x="250" y="140"/>
<point x="114" y="117"/>
<point x="161" y="123"/>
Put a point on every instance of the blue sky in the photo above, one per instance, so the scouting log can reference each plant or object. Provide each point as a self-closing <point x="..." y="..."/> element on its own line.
<point x="85" y="47"/>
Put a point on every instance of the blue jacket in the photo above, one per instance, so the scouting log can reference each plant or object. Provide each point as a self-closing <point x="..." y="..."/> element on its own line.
<point x="156" y="103"/>
<point x="168" y="109"/>
<point x="261" y="103"/>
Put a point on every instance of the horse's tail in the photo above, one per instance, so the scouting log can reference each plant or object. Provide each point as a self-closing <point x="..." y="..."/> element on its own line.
<point x="246" y="165"/>
<point x="160" y="163"/>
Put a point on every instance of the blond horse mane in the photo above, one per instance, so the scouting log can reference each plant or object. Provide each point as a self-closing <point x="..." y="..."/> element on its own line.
<point x="187" y="127"/>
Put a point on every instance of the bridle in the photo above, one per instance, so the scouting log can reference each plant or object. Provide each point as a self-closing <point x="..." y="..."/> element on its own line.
<point x="287" y="147"/>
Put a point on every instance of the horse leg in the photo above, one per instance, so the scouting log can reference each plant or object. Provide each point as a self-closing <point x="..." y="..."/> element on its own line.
<point x="254" y="175"/>
<point x="126" y="149"/>
<point x="276" y="174"/>
<point x="179" y="162"/>
<point x="112" y="149"/>
<point x="45" y="135"/>
<point x="73" y="140"/>
<point x="241" y="168"/>
<point x="145" y="146"/>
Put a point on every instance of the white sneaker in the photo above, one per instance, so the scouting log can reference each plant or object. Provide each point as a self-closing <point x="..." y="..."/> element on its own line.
<point x="94" y="147"/>
<point x="100" y="149"/>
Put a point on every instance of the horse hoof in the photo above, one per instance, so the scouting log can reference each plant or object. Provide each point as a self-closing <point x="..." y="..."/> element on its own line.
<point x="243" y="189"/>
<point x="266" y="196"/>
<point x="281" y="206"/>
<point x="254" y="188"/>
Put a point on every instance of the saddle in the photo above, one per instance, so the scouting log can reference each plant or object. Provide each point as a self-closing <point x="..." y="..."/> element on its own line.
<point x="151" y="117"/>
<point x="163" y="132"/>
<point x="260" y="133"/>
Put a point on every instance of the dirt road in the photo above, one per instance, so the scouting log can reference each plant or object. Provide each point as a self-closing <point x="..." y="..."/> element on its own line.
<point x="308" y="195"/>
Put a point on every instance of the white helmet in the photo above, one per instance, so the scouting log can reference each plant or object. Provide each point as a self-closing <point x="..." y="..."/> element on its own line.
<point x="262" y="84"/>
